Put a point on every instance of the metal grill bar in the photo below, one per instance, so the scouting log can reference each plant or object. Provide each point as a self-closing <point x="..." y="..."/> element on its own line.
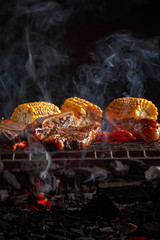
<point x="146" y="152"/>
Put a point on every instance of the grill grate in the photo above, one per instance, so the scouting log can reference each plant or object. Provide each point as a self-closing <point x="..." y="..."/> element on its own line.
<point x="146" y="152"/>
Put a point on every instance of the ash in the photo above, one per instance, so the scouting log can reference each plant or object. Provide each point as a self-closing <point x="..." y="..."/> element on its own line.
<point x="121" y="202"/>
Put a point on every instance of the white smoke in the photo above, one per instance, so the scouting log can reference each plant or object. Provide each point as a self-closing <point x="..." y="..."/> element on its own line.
<point x="120" y="65"/>
<point x="43" y="43"/>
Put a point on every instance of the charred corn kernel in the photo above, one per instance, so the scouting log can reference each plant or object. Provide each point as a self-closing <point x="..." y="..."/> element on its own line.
<point x="128" y="107"/>
<point x="29" y="112"/>
<point x="84" y="110"/>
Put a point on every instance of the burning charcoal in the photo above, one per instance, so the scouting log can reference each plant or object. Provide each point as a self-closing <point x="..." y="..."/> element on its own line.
<point x="101" y="206"/>
<point x="11" y="179"/>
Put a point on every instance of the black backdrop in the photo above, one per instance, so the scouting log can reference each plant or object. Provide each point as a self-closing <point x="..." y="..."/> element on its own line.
<point x="97" y="50"/>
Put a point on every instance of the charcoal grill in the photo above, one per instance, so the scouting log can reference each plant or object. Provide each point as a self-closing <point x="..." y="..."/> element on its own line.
<point x="148" y="153"/>
<point x="126" y="188"/>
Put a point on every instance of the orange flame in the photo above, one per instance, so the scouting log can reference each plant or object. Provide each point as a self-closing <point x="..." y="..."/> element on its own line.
<point x="43" y="200"/>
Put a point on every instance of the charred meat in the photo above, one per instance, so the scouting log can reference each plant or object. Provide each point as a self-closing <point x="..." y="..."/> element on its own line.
<point x="61" y="131"/>
<point x="73" y="137"/>
<point x="15" y="132"/>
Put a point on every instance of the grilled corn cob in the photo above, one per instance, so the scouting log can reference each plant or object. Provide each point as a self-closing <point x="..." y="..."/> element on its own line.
<point x="131" y="107"/>
<point x="29" y="112"/>
<point x="85" y="111"/>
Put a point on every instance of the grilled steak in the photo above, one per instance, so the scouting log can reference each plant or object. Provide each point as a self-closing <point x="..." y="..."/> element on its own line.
<point x="42" y="126"/>
<point x="16" y="132"/>
<point x="73" y="137"/>
<point x="58" y="120"/>
<point x="61" y="131"/>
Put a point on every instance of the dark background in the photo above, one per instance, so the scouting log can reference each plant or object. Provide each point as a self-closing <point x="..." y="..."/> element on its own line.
<point x="97" y="50"/>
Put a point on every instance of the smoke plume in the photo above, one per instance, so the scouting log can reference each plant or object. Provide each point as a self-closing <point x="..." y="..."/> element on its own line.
<point x="51" y="50"/>
<point x="119" y="65"/>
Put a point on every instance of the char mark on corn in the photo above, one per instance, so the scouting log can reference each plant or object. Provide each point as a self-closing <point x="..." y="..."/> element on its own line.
<point x="128" y="107"/>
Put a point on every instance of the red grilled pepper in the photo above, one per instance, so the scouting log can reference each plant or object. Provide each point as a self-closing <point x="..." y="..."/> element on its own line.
<point x="119" y="135"/>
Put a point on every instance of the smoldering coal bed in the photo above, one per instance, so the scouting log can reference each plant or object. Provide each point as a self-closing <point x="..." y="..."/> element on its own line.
<point x="107" y="191"/>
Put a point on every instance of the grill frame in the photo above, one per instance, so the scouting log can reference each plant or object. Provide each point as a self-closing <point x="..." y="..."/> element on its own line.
<point x="145" y="152"/>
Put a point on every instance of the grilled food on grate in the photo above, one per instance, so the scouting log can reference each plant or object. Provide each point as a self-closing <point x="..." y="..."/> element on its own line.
<point x="60" y="138"/>
<point x="29" y="112"/>
<point x="119" y="135"/>
<point x="61" y="131"/>
<point x="143" y="128"/>
<point x="128" y="107"/>
<point x="136" y="115"/>
<point x="85" y="111"/>
<point x="78" y="124"/>
<point x="12" y="132"/>
<point x="19" y="131"/>
<point x="72" y="138"/>
<point x="42" y="126"/>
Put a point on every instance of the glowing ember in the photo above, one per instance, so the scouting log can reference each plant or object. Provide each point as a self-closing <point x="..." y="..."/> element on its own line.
<point x="28" y="192"/>
<point x="22" y="144"/>
<point x="43" y="200"/>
